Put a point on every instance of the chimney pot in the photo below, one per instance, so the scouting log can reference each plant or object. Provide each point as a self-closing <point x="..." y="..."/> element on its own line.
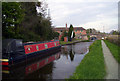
<point x="66" y="26"/>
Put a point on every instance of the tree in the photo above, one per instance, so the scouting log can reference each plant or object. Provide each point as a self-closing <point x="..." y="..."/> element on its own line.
<point x="12" y="15"/>
<point x="56" y="34"/>
<point x="73" y="34"/>
<point x="93" y="31"/>
<point x="65" y="34"/>
<point x="37" y="22"/>
<point x="22" y="20"/>
<point x="115" y="32"/>
<point x="70" y="32"/>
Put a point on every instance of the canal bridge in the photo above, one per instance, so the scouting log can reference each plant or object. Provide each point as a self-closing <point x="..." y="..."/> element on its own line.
<point x="97" y="36"/>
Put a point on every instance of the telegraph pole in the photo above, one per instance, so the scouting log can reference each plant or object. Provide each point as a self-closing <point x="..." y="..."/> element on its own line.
<point x="48" y="14"/>
<point x="103" y="29"/>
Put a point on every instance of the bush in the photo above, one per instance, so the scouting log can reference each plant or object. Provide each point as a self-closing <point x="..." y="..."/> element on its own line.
<point x="114" y="39"/>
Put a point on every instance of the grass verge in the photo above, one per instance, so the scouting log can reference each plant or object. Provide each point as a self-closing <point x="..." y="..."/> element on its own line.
<point x="62" y="42"/>
<point x="113" y="49"/>
<point x="85" y="41"/>
<point x="92" y="66"/>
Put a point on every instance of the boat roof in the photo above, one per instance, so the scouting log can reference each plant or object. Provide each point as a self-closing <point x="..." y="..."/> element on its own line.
<point x="38" y="42"/>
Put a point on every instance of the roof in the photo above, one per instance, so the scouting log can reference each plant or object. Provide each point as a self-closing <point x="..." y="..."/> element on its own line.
<point x="64" y="28"/>
<point x="79" y="28"/>
<point x="58" y="29"/>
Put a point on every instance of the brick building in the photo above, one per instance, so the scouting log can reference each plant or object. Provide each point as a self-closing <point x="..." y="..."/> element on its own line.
<point x="79" y="31"/>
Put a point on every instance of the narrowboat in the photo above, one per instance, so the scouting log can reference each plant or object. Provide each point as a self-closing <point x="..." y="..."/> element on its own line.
<point x="14" y="51"/>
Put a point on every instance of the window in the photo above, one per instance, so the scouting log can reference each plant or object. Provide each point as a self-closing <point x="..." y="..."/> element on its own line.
<point x="18" y="43"/>
<point x="46" y="61"/>
<point x="76" y="30"/>
<point x="37" y="47"/>
<point x="38" y="65"/>
<point x="46" y="46"/>
<point x="29" y="49"/>
<point x="55" y="44"/>
<point x="81" y="30"/>
<point x="61" y="30"/>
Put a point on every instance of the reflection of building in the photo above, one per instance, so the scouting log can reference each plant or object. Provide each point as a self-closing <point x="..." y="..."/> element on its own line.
<point x="79" y="31"/>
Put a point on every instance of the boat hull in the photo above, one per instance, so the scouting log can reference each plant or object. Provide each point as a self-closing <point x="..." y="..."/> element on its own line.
<point x="21" y="59"/>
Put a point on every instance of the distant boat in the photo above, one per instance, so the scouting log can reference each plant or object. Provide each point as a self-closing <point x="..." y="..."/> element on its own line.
<point x="14" y="51"/>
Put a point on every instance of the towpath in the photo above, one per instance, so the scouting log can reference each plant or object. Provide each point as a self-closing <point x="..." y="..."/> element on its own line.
<point x="111" y="63"/>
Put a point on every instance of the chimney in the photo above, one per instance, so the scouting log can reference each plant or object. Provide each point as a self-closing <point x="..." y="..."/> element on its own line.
<point x="66" y="26"/>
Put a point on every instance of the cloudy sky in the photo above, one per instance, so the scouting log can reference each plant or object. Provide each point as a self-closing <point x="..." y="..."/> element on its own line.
<point x="96" y="14"/>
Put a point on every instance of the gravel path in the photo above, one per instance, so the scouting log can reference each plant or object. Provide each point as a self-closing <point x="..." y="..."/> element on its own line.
<point x="111" y="63"/>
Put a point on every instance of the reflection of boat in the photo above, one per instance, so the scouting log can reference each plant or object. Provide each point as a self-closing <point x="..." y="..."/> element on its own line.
<point x="14" y="72"/>
<point x="37" y="65"/>
<point x="14" y="51"/>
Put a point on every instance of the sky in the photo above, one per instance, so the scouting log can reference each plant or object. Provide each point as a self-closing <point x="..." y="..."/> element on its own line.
<point x="98" y="14"/>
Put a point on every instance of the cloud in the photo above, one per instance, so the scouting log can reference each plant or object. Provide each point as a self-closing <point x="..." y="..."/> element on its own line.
<point x="100" y="24"/>
<point x="93" y="13"/>
<point x="77" y="1"/>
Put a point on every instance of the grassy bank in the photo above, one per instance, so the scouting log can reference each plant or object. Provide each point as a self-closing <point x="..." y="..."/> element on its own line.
<point x="92" y="66"/>
<point x="85" y="41"/>
<point x="62" y="42"/>
<point x="114" y="49"/>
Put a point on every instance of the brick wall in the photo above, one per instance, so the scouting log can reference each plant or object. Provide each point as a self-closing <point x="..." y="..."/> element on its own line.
<point x="82" y="32"/>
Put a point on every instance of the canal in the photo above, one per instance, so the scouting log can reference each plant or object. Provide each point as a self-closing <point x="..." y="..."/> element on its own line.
<point x="60" y="65"/>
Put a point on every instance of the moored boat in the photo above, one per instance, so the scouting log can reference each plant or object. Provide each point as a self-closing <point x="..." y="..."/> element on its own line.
<point x="14" y="51"/>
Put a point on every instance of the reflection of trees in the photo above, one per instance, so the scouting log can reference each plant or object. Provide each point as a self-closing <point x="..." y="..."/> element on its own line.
<point x="68" y="51"/>
<point x="72" y="53"/>
<point x="64" y="50"/>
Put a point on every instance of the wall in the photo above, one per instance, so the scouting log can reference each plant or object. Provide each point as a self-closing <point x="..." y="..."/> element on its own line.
<point x="79" y="32"/>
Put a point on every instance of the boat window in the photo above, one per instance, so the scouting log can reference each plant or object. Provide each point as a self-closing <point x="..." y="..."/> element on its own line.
<point x="29" y="49"/>
<point x="55" y="44"/>
<point x="37" y="47"/>
<point x="18" y="43"/>
<point x="46" y="46"/>
<point x="46" y="61"/>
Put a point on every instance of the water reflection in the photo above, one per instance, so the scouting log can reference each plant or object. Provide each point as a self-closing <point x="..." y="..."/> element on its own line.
<point x="71" y="54"/>
<point x="20" y="72"/>
<point x="37" y="65"/>
<point x="68" y="51"/>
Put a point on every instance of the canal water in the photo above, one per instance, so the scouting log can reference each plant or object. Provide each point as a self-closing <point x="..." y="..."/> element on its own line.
<point x="60" y="65"/>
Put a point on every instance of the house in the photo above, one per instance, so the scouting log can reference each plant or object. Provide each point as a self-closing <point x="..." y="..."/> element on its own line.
<point x="79" y="31"/>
